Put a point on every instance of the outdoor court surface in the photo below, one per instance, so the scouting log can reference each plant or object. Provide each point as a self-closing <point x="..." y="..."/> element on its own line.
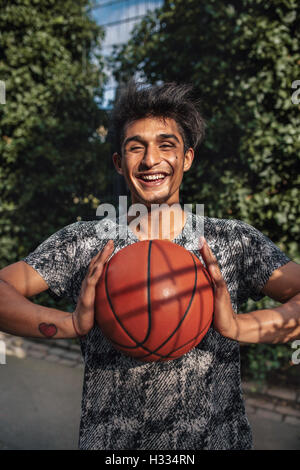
<point x="40" y="409"/>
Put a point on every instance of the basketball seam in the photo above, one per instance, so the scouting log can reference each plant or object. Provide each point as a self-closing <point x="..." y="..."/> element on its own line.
<point x="137" y="344"/>
<point x="182" y="346"/>
<point x="182" y="319"/>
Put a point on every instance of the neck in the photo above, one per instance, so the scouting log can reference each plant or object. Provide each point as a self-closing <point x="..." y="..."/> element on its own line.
<point x="158" y="222"/>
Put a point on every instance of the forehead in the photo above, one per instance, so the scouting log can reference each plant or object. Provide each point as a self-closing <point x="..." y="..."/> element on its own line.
<point x="151" y="127"/>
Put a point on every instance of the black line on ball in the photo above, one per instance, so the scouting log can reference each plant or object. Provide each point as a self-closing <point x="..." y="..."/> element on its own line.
<point x="149" y="291"/>
<point x="176" y="349"/>
<point x="183" y="317"/>
<point x="137" y="344"/>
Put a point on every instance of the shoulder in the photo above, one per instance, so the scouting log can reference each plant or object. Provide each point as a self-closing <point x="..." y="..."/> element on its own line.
<point x="85" y="229"/>
<point x="243" y="240"/>
<point x="230" y="229"/>
<point x="74" y="239"/>
<point x="226" y="224"/>
<point x="238" y="238"/>
<point x="233" y="230"/>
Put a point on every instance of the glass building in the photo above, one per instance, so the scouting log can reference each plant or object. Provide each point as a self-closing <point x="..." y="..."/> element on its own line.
<point x="118" y="17"/>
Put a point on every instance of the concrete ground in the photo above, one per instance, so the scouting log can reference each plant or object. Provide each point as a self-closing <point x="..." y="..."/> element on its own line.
<point x="40" y="409"/>
<point x="271" y="435"/>
<point x="39" y="405"/>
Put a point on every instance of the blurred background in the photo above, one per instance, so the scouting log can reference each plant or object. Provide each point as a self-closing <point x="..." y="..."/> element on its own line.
<point x="63" y="64"/>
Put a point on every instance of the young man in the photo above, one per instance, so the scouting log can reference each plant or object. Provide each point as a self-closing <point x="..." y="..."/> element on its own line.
<point x="194" y="402"/>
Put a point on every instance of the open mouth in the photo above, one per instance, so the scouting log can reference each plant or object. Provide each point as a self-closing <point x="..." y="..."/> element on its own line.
<point x="152" y="179"/>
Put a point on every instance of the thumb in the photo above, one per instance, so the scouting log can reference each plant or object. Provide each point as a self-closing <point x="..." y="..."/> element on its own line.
<point x="211" y="263"/>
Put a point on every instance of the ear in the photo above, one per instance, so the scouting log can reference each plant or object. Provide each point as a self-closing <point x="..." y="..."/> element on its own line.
<point x="188" y="159"/>
<point x="117" y="159"/>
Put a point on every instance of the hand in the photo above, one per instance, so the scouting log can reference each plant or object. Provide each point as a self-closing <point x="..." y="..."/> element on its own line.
<point x="225" y="319"/>
<point x="83" y="316"/>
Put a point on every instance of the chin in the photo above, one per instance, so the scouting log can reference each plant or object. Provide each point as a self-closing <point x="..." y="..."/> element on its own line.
<point x="163" y="196"/>
<point x="156" y="200"/>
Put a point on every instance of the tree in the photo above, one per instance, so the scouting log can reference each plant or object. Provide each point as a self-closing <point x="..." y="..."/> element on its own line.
<point x="53" y="162"/>
<point x="242" y="57"/>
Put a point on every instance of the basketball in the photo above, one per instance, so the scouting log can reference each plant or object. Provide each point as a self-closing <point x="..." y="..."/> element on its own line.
<point x="154" y="300"/>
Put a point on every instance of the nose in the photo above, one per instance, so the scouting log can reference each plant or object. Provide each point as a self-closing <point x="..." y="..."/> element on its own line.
<point x="151" y="157"/>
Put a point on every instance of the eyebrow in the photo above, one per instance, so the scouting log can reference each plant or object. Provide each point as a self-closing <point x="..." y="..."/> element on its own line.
<point x="138" y="138"/>
<point x="169" y="136"/>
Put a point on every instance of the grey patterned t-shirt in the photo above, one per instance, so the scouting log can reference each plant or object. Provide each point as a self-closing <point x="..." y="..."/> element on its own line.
<point x="194" y="402"/>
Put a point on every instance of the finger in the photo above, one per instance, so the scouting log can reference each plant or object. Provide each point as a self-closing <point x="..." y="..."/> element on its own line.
<point x="96" y="268"/>
<point x="207" y="254"/>
<point x="212" y="264"/>
<point x="108" y="247"/>
<point x="201" y="242"/>
<point x="106" y="252"/>
<point x="87" y="295"/>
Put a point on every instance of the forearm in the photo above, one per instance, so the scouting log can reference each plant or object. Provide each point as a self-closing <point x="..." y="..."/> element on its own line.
<point x="276" y="325"/>
<point x="21" y="317"/>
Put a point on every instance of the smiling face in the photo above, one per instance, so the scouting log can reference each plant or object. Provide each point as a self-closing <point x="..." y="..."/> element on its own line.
<point x="153" y="160"/>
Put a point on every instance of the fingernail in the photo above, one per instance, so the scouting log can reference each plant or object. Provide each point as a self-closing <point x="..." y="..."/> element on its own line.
<point x="201" y="242"/>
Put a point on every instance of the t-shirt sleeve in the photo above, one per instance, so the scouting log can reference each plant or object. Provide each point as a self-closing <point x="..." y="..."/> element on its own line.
<point x="260" y="257"/>
<point x="54" y="258"/>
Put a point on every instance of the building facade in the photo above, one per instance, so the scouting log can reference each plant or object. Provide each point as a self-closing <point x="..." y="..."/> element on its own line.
<point x="118" y="17"/>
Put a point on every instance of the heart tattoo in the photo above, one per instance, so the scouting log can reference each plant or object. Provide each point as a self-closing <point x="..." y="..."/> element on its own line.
<point x="47" y="329"/>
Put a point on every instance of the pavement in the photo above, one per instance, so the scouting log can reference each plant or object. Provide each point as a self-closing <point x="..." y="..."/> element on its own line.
<point x="272" y="435"/>
<point x="40" y="402"/>
<point x="39" y="405"/>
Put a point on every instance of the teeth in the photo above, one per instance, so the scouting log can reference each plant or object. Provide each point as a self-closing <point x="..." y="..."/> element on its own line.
<point x="153" y="177"/>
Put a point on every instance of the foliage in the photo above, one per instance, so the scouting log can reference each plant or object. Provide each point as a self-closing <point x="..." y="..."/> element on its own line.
<point x="242" y="57"/>
<point x="259" y="360"/>
<point x="53" y="162"/>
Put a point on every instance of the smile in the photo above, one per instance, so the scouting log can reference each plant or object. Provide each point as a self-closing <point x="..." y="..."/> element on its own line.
<point x="152" y="179"/>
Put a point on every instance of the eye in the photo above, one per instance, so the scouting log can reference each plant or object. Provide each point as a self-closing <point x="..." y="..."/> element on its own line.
<point x="136" y="147"/>
<point x="166" y="146"/>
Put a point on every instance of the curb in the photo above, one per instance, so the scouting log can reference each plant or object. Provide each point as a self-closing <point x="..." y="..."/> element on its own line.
<point x="65" y="352"/>
<point x="272" y="403"/>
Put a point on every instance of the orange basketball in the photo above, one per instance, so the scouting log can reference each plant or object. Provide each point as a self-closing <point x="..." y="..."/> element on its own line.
<point x="154" y="300"/>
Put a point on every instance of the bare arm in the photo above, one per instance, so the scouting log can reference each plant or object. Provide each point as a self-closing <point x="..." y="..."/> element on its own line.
<point x="280" y="324"/>
<point x="21" y="317"/>
<point x="275" y="325"/>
